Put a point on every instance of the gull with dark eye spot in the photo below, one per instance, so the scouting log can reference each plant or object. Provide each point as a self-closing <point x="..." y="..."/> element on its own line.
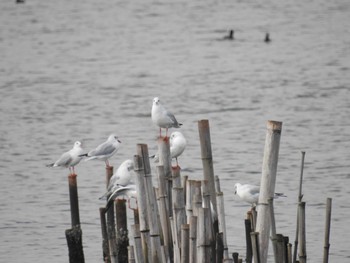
<point x="105" y="150"/>
<point x="69" y="159"/>
<point x="163" y="118"/>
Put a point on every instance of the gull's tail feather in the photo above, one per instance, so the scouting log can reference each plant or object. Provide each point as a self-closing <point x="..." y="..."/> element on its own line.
<point x="50" y="165"/>
<point x="83" y="155"/>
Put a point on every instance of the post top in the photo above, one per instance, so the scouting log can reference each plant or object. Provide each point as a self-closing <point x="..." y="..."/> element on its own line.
<point x="274" y="125"/>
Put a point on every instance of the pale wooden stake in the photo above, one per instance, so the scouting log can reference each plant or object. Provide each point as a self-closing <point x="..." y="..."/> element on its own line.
<point x="327" y="230"/>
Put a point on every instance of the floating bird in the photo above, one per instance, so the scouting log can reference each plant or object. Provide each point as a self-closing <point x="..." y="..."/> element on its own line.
<point x="163" y="118"/>
<point x="105" y="150"/>
<point x="267" y="38"/>
<point x="129" y="191"/>
<point x="122" y="177"/>
<point x="230" y="36"/>
<point x="250" y="193"/>
<point x="177" y="146"/>
<point x="69" y="159"/>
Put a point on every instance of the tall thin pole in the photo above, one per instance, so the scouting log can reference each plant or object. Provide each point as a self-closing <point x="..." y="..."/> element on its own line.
<point x="327" y="230"/>
<point x="300" y="197"/>
<point x="267" y="186"/>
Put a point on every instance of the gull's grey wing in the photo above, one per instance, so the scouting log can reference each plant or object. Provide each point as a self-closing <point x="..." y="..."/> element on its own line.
<point x="103" y="149"/>
<point x="64" y="160"/>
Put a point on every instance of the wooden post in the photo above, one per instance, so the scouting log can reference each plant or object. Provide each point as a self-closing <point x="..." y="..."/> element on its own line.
<point x="152" y="207"/>
<point x="105" y="247"/>
<point x="207" y="158"/>
<point x="122" y="230"/>
<point x="302" y="233"/>
<point x="185" y="242"/>
<point x="165" y="160"/>
<point x="279" y="256"/>
<point x="267" y="185"/>
<point x="327" y="230"/>
<point x="249" y="249"/>
<point x="300" y="197"/>
<point x="235" y="257"/>
<point x="179" y="214"/>
<point x="190" y="186"/>
<point x="219" y="247"/>
<point x="193" y="239"/>
<point x="74" y="235"/>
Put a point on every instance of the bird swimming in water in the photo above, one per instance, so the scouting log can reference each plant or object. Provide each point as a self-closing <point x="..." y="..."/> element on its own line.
<point x="69" y="159"/>
<point x="230" y="36"/>
<point x="162" y="117"/>
<point x="105" y="150"/>
<point x="267" y="38"/>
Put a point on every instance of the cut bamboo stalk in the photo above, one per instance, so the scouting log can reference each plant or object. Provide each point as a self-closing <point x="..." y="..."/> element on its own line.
<point x="255" y="246"/>
<point x="193" y="240"/>
<point x="165" y="160"/>
<point x="131" y="255"/>
<point x="176" y="176"/>
<point x="289" y="253"/>
<point x="204" y="238"/>
<point x="185" y="243"/>
<point x="327" y="230"/>
<point x="179" y="214"/>
<point x="137" y="244"/>
<point x="207" y="158"/>
<point x="267" y="185"/>
<point x="300" y="197"/>
<point x="249" y="249"/>
<point x="190" y="187"/>
<point x="273" y="230"/>
<point x="219" y="247"/>
<point x="197" y="198"/>
<point x="302" y="233"/>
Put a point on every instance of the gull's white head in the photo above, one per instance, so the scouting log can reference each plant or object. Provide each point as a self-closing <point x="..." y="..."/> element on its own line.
<point x="156" y="100"/>
<point x="113" y="137"/>
<point x="77" y="144"/>
<point x="236" y="186"/>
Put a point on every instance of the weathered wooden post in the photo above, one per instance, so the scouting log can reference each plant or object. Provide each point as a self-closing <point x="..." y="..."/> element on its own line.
<point x="273" y="230"/>
<point x="105" y="247"/>
<point x="131" y="255"/>
<point x="255" y="246"/>
<point x="302" y="233"/>
<point x="249" y="249"/>
<point x="267" y="185"/>
<point x="122" y="230"/>
<point x="138" y="250"/>
<point x="300" y="197"/>
<point x="327" y="230"/>
<point x="74" y="235"/>
<point x="185" y="242"/>
<point x="207" y="158"/>
<point x="204" y="236"/>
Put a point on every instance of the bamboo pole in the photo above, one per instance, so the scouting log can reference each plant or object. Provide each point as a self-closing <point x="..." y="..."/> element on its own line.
<point x="280" y="257"/>
<point x="138" y="251"/>
<point x="193" y="240"/>
<point x="219" y="248"/>
<point x="185" y="243"/>
<point x="74" y="235"/>
<point x="273" y="230"/>
<point x="327" y="230"/>
<point x="165" y="160"/>
<point x="131" y="255"/>
<point x="302" y="233"/>
<point x="300" y="197"/>
<point x="122" y="230"/>
<point x="255" y="246"/>
<point x="152" y="208"/>
<point x="267" y="185"/>
<point x="190" y="187"/>
<point x="204" y="236"/>
<point x="207" y="158"/>
<point x="142" y="206"/>
<point x="289" y="253"/>
<point x="221" y="216"/>
<point x="176" y="176"/>
<point x="111" y="234"/>
<point x="163" y="211"/>
<point x="179" y="214"/>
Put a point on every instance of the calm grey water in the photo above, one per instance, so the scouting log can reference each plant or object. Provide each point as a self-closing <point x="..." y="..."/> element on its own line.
<point x="79" y="70"/>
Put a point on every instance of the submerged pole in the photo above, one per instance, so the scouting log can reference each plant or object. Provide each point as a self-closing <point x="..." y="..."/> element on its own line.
<point x="302" y="233"/>
<point x="267" y="185"/>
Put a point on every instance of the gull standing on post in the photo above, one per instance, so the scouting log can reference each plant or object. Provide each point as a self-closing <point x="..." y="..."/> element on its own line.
<point x="163" y="118"/>
<point x="177" y="145"/>
<point x="69" y="159"/>
<point x="250" y="193"/>
<point x="105" y="150"/>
